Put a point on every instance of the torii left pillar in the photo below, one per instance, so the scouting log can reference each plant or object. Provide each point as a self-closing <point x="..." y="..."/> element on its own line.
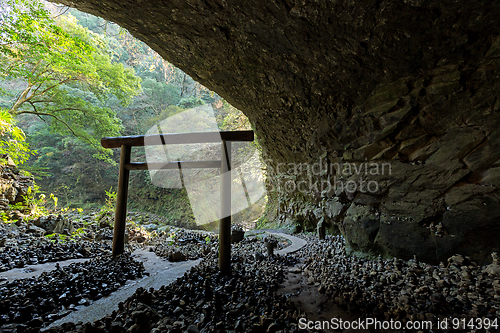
<point x="225" y="209"/>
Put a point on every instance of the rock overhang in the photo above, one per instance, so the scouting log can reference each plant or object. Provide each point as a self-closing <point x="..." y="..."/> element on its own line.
<point x="411" y="83"/>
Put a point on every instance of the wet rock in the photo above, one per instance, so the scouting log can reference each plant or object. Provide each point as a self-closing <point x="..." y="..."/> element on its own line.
<point x="457" y="259"/>
<point x="360" y="226"/>
<point x="54" y="224"/>
<point x="36" y="230"/>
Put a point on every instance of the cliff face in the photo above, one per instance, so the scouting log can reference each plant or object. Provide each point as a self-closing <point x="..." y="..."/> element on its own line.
<point x="402" y="96"/>
<point x="13" y="185"/>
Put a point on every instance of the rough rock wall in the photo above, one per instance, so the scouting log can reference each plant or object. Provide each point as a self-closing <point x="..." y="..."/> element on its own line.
<point x="13" y="185"/>
<point x="413" y="83"/>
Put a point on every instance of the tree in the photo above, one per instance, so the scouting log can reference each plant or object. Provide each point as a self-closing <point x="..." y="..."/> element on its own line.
<point x="66" y="70"/>
<point x="12" y="139"/>
<point x="159" y="95"/>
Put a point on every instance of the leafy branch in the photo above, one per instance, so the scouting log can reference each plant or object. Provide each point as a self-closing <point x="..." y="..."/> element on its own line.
<point x="56" y="57"/>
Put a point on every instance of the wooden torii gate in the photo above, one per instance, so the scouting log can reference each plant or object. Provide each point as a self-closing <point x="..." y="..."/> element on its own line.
<point x="127" y="142"/>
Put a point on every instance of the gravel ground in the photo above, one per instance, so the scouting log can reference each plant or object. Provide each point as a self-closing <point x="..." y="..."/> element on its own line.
<point x="245" y="301"/>
<point x="22" y="245"/>
<point x="393" y="289"/>
<point x="34" y="302"/>
<point x="181" y="244"/>
<point x="249" y="300"/>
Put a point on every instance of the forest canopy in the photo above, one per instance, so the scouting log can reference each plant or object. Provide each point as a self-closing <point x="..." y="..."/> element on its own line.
<point x="66" y="73"/>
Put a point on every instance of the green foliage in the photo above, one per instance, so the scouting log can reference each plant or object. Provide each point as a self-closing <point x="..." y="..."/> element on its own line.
<point x="109" y="206"/>
<point x="167" y="112"/>
<point x="53" y="197"/>
<point x="20" y="22"/>
<point x="56" y="58"/>
<point x="12" y="139"/>
<point x="33" y="203"/>
<point x="4" y="217"/>
<point x="73" y="175"/>
<point x="173" y="203"/>
<point x="78" y="233"/>
<point x="262" y="222"/>
<point x="190" y="102"/>
<point x="51" y="237"/>
<point x="57" y="237"/>
<point x="230" y="118"/>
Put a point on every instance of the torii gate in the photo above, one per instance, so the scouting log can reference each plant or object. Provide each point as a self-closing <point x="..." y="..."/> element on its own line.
<point x="127" y="142"/>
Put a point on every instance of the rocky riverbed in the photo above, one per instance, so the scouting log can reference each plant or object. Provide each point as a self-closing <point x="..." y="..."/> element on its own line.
<point x="180" y="244"/>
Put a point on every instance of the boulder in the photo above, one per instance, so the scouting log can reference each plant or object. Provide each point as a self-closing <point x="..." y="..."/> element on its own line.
<point x="360" y="227"/>
<point x="54" y="224"/>
<point x="33" y="229"/>
<point x="13" y="186"/>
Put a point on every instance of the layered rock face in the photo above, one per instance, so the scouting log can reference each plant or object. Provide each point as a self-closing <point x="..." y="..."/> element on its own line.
<point x="13" y="185"/>
<point x="395" y="103"/>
